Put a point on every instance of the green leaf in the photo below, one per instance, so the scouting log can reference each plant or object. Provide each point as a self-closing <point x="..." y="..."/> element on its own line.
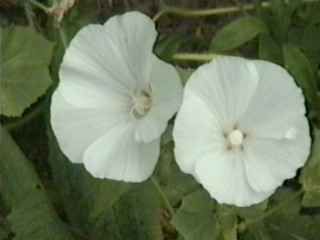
<point x="269" y="50"/>
<point x="288" y="223"/>
<point x="174" y="183"/>
<point x="136" y="215"/>
<point x="31" y="216"/>
<point x="25" y="57"/>
<point x="310" y="43"/>
<point x="196" y="220"/>
<point x="167" y="46"/>
<point x="252" y="211"/>
<point x="258" y="232"/>
<point x="237" y="33"/>
<point x="4" y="233"/>
<point x="311" y="37"/>
<point x="85" y="198"/>
<point x="281" y="19"/>
<point x="228" y="221"/>
<point x="311" y="13"/>
<point x="310" y="177"/>
<point x="284" y="220"/>
<point x="300" y="67"/>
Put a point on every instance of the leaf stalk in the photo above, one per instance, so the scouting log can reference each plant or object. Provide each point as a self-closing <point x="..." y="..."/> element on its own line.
<point x="163" y="196"/>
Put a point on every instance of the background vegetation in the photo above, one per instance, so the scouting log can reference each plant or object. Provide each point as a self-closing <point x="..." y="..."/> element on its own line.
<point x="45" y="197"/>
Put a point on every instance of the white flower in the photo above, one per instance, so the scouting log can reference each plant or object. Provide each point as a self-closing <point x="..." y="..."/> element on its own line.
<point x="114" y="99"/>
<point x="241" y="129"/>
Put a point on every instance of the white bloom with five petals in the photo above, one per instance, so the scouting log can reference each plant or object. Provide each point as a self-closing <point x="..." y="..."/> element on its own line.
<point x="241" y="129"/>
<point x="114" y="99"/>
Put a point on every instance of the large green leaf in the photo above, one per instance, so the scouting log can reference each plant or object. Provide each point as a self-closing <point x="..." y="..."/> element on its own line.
<point x="269" y="49"/>
<point x="289" y="223"/>
<point x="31" y="216"/>
<point x="300" y="67"/>
<point x="284" y="220"/>
<point x="196" y="219"/>
<point x="237" y="33"/>
<point x="25" y="57"/>
<point x="310" y="177"/>
<point x="85" y="198"/>
<point x="136" y="215"/>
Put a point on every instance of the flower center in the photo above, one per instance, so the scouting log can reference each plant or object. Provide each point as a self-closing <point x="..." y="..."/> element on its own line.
<point x="235" y="137"/>
<point x="142" y="103"/>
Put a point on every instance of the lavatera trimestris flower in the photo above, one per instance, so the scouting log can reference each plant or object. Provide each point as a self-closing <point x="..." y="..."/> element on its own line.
<point x="114" y="99"/>
<point x="241" y="129"/>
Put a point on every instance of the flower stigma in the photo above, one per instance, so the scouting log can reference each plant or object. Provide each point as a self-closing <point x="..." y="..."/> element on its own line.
<point x="142" y="103"/>
<point x="235" y="137"/>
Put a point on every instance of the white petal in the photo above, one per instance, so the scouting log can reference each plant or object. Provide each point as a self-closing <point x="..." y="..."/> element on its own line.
<point x="89" y="72"/>
<point x="76" y="128"/>
<point x="133" y="35"/>
<point x="166" y="99"/>
<point x="108" y="60"/>
<point x="196" y="131"/>
<point x="224" y="177"/>
<point x="117" y="156"/>
<point x="276" y="104"/>
<point x="226" y="85"/>
<point x="271" y="161"/>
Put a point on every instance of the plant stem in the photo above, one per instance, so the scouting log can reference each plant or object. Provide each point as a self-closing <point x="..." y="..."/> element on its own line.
<point x="272" y="211"/>
<point x="197" y="57"/>
<point x="163" y="196"/>
<point x="63" y="37"/>
<point x="185" y="12"/>
<point x="29" y="15"/>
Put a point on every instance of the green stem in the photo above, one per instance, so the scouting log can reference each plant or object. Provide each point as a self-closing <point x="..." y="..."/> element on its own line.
<point x="197" y="57"/>
<point x="184" y="12"/>
<point x="63" y="37"/>
<point x="29" y="15"/>
<point x="162" y="195"/>
<point x="272" y="211"/>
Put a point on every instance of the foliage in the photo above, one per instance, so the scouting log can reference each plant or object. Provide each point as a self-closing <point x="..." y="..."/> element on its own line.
<point x="287" y="222"/>
<point x="32" y="215"/>
<point x="25" y="75"/>
<point x="300" y="67"/>
<point x="60" y="200"/>
<point x="237" y="33"/>
<point x="310" y="177"/>
<point x="196" y="219"/>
